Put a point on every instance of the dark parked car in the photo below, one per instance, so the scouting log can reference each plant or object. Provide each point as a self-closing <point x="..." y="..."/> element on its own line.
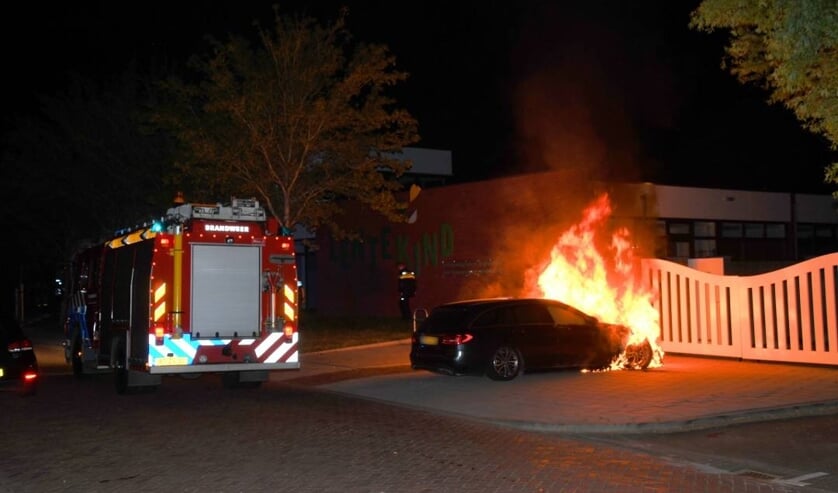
<point x="503" y="337"/>
<point x="18" y="365"/>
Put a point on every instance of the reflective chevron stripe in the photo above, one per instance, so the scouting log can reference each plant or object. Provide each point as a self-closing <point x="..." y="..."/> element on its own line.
<point x="184" y="351"/>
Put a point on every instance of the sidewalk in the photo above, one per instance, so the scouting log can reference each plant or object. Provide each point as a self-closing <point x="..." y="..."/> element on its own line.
<point x="687" y="393"/>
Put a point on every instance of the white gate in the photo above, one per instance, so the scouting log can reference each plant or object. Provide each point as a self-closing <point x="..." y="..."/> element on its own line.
<point x="788" y="315"/>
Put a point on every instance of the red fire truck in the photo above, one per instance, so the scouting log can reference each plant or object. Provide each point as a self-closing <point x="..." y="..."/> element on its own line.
<point x="209" y="288"/>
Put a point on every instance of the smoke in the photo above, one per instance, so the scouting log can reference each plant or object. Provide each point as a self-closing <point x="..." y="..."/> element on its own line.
<point x="526" y="215"/>
<point x="588" y="91"/>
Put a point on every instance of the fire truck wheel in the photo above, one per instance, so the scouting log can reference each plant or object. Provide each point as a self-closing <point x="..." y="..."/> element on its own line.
<point x="78" y="366"/>
<point x="506" y="363"/>
<point x="120" y="373"/>
<point x="232" y="381"/>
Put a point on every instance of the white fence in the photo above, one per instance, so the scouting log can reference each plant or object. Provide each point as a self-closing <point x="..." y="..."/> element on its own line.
<point x="788" y="315"/>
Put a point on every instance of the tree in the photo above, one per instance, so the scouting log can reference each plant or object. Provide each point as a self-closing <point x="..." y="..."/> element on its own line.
<point x="788" y="47"/>
<point x="77" y="170"/>
<point x="81" y="167"/>
<point x="301" y="122"/>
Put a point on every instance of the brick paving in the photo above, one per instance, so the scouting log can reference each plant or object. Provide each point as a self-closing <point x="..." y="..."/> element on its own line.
<point x="686" y="393"/>
<point x="193" y="435"/>
<point x="362" y="421"/>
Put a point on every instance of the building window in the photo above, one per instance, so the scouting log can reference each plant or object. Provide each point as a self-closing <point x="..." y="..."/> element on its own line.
<point x="754" y="230"/>
<point x="679" y="229"/>
<point x="805" y="230"/>
<point x="823" y="231"/>
<point x="682" y="249"/>
<point x="731" y="230"/>
<point x="705" y="229"/>
<point x="776" y="230"/>
<point x="705" y="248"/>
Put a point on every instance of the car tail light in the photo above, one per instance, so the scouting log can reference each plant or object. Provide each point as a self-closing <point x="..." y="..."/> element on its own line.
<point x="455" y="339"/>
<point x="30" y="375"/>
<point x="21" y="345"/>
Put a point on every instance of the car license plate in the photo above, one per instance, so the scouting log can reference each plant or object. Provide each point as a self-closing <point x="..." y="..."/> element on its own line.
<point x="429" y="340"/>
<point x="170" y="361"/>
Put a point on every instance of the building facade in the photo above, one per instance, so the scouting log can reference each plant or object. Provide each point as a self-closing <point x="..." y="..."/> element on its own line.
<point x="483" y="238"/>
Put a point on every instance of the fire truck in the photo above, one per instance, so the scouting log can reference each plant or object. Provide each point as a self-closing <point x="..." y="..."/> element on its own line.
<point x="208" y="289"/>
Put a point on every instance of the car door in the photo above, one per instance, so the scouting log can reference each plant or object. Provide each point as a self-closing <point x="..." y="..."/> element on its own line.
<point x="574" y="337"/>
<point x="537" y="334"/>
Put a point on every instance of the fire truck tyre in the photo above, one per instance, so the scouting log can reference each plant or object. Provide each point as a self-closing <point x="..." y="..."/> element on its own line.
<point x="120" y="373"/>
<point x="232" y="380"/>
<point x="75" y="357"/>
<point x="639" y="356"/>
<point x="506" y="363"/>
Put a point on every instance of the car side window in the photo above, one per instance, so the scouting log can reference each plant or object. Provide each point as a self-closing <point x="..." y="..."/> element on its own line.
<point x="486" y="319"/>
<point x="563" y="316"/>
<point x="532" y="314"/>
<point x="493" y="317"/>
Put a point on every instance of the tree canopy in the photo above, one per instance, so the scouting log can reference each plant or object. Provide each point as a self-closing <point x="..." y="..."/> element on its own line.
<point x="74" y="172"/>
<point x="300" y="119"/>
<point x="81" y="168"/>
<point x="788" y="47"/>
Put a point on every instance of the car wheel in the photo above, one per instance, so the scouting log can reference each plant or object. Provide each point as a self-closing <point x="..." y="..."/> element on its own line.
<point x="639" y="356"/>
<point x="506" y="363"/>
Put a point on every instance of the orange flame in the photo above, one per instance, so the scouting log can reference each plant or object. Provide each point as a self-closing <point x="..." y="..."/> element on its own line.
<point x="605" y="286"/>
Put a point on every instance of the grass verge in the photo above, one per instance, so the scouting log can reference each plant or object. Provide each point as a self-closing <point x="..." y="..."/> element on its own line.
<point x="319" y="332"/>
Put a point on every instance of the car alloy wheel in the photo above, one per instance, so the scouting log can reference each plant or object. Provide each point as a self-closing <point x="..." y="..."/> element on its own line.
<point x="506" y="363"/>
<point x="639" y="356"/>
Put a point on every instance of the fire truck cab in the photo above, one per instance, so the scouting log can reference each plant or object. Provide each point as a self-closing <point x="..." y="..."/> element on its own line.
<point x="209" y="288"/>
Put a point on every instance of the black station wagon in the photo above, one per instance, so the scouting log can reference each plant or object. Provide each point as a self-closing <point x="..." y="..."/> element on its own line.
<point x="503" y="337"/>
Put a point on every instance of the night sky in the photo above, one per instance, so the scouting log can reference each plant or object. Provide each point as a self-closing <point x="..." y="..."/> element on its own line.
<point x="623" y="90"/>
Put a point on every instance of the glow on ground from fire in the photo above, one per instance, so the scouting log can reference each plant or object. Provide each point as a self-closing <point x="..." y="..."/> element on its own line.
<point x="606" y="284"/>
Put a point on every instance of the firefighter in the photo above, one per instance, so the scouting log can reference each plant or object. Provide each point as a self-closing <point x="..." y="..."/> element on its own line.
<point x="407" y="289"/>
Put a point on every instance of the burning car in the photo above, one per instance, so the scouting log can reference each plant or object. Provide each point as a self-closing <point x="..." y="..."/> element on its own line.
<point x="504" y="337"/>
